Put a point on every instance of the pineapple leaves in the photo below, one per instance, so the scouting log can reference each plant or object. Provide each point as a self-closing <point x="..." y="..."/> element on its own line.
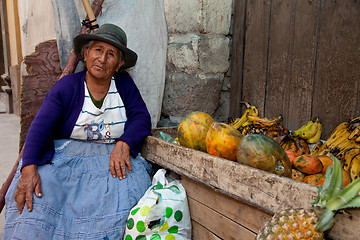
<point x="326" y="221"/>
<point x="332" y="184"/>
<point x="345" y="196"/>
<point x="355" y="202"/>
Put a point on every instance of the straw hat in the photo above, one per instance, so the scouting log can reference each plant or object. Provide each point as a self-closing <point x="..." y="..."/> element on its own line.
<point x="110" y="34"/>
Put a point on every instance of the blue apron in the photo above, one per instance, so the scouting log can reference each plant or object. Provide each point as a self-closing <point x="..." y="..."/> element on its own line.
<point x="80" y="199"/>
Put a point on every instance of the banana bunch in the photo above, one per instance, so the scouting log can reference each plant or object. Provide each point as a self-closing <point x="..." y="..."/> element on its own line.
<point x="263" y="122"/>
<point x="310" y="131"/>
<point x="243" y="120"/>
<point x="343" y="143"/>
<point x="295" y="144"/>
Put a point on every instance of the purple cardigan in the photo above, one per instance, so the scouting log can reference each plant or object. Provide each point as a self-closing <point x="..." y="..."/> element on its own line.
<point x="60" y="110"/>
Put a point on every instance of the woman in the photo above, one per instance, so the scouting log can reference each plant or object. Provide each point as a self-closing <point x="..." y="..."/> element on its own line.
<point x="87" y="133"/>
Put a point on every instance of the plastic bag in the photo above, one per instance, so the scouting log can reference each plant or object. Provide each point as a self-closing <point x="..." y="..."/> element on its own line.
<point x="162" y="213"/>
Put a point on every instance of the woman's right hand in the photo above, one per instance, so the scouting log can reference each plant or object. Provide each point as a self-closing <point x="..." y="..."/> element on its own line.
<point x="28" y="183"/>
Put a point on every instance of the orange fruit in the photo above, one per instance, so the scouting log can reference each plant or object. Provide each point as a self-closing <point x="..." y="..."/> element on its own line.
<point x="291" y="155"/>
<point x="308" y="164"/>
<point x="326" y="162"/>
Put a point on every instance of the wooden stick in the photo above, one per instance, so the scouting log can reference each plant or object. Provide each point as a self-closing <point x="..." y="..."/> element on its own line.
<point x="69" y="68"/>
<point x="91" y="12"/>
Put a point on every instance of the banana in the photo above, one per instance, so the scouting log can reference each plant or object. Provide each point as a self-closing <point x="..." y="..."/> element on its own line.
<point x="250" y="110"/>
<point x="317" y="136"/>
<point x="310" y="130"/>
<point x="319" y="146"/>
<point x="342" y="128"/>
<point x="303" y="147"/>
<point x="289" y="143"/>
<point x="355" y="167"/>
<point x="263" y="122"/>
<point x="303" y="128"/>
<point x="337" y="138"/>
<point x="357" y="140"/>
<point x="348" y="155"/>
<point x="354" y="133"/>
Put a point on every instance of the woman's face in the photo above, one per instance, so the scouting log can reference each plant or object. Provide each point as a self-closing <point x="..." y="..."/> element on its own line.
<point x="102" y="60"/>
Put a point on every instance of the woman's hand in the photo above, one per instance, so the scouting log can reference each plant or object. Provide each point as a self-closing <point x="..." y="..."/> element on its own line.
<point x="28" y="183"/>
<point x="118" y="158"/>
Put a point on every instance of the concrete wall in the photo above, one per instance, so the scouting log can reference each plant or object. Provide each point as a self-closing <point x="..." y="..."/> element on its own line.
<point x="198" y="58"/>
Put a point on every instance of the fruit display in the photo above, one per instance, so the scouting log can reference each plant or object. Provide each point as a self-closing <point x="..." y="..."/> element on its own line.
<point x="192" y="130"/>
<point x="262" y="152"/>
<point x="230" y="140"/>
<point x="222" y="140"/>
<point x="312" y="223"/>
<point x="343" y="143"/>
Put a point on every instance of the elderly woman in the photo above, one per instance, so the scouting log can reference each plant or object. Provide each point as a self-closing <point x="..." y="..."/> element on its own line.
<point x="81" y="171"/>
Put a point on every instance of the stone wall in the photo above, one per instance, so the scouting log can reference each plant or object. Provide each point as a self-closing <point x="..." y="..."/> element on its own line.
<point x="198" y="58"/>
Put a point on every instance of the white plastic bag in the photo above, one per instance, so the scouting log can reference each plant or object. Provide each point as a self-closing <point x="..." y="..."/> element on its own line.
<point x="162" y="213"/>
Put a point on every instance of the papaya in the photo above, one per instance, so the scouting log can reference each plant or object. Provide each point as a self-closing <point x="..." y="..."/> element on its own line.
<point x="291" y="155"/>
<point x="192" y="130"/>
<point x="297" y="175"/>
<point x="346" y="178"/>
<point x="326" y="162"/>
<point x="308" y="164"/>
<point x="262" y="152"/>
<point x="315" y="179"/>
<point x="222" y="140"/>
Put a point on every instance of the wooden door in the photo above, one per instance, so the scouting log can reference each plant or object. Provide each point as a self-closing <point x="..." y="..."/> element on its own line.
<point x="297" y="58"/>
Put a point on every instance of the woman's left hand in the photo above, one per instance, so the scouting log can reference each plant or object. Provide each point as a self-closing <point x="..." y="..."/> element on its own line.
<point x="119" y="157"/>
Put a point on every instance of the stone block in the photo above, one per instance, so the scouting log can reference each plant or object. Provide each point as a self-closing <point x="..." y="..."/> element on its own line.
<point x="217" y="16"/>
<point x="183" y="16"/>
<point x="214" y="54"/>
<point x="182" y="52"/>
<point x="186" y="93"/>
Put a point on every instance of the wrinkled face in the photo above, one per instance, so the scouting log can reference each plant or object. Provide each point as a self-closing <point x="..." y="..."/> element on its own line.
<point x="102" y="60"/>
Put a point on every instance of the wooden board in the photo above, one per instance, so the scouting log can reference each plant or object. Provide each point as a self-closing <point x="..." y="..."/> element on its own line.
<point x="244" y="215"/>
<point x="337" y="84"/>
<point x="199" y="232"/>
<point x="303" y="56"/>
<point x="255" y="53"/>
<point x="219" y="224"/>
<point x="231" y="178"/>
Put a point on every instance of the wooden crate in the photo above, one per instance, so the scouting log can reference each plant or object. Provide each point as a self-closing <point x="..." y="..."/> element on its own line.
<point x="228" y="200"/>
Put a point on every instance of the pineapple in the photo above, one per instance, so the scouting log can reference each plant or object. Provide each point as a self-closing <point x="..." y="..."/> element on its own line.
<point x="312" y="223"/>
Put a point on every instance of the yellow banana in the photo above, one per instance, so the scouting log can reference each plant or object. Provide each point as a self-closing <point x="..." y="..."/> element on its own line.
<point x="250" y="110"/>
<point x="354" y="133"/>
<point x="355" y="167"/>
<point x="355" y="122"/>
<point x="338" y="131"/>
<point x="317" y="135"/>
<point x="319" y="146"/>
<point x="348" y="155"/>
<point x="337" y="138"/>
<point x="263" y="122"/>
<point x="303" y="128"/>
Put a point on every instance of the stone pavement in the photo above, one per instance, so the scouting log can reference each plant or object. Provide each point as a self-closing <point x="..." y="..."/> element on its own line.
<point x="9" y="149"/>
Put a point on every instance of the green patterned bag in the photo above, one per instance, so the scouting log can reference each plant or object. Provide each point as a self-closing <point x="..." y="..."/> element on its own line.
<point x="161" y="214"/>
